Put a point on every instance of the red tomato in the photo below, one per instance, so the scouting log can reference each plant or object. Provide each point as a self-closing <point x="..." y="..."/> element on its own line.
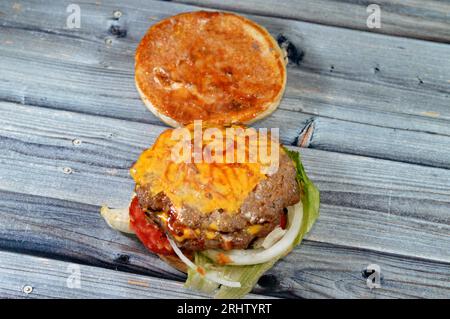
<point x="148" y="233"/>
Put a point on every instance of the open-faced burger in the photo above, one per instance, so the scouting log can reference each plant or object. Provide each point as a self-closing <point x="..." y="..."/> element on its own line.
<point x="221" y="201"/>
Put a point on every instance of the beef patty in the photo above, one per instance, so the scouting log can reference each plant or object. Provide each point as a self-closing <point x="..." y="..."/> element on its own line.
<point x="258" y="215"/>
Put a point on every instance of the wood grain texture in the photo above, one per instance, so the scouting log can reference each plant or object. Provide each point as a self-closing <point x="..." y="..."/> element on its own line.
<point x="387" y="206"/>
<point x="71" y="124"/>
<point x="49" y="279"/>
<point x="330" y="271"/>
<point x="380" y="142"/>
<point x="398" y="88"/>
<point x="427" y="20"/>
<point x="75" y="232"/>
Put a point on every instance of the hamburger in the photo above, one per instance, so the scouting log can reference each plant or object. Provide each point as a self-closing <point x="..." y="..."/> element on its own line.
<point x="214" y="198"/>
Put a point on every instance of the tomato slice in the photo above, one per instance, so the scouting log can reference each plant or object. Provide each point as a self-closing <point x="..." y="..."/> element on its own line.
<point x="148" y="233"/>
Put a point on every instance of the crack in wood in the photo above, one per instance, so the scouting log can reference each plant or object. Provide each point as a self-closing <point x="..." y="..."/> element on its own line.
<point x="305" y="137"/>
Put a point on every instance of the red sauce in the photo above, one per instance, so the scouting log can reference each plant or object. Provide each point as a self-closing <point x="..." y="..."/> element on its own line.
<point x="227" y="245"/>
<point x="201" y="271"/>
<point x="283" y="220"/>
<point x="172" y="224"/>
<point x="223" y="259"/>
<point x="207" y="65"/>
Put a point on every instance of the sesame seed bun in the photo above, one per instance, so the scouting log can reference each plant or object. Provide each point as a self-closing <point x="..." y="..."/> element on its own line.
<point x="212" y="66"/>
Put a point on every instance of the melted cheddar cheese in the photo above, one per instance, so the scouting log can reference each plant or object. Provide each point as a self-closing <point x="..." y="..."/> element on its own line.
<point x="203" y="186"/>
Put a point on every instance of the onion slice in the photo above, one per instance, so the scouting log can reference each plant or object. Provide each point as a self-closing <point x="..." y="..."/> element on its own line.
<point x="274" y="236"/>
<point x="210" y="275"/>
<point x="117" y="218"/>
<point x="259" y="256"/>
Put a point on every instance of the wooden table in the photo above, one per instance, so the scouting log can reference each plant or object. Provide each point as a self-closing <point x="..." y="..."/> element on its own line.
<point x="369" y="107"/>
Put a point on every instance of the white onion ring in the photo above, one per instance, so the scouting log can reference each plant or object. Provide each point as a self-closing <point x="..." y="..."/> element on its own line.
<point x="273" y="237"/>
<point x="117" y="218"/>
<point x="258" y="256"/>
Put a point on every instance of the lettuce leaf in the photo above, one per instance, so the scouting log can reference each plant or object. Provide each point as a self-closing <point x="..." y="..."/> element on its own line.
<point x="197" y="282"/>
<point x="309" y="194"/>
<point x="249" y="275"/>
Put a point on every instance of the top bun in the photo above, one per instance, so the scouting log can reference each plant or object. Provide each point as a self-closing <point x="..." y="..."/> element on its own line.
<point x="212" y="66"/>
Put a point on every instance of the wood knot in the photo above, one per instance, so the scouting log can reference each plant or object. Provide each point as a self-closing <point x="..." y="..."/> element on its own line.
<point x="295" y="55"/>
<point x="117" y="31"/>
<point x="268" y="281"/>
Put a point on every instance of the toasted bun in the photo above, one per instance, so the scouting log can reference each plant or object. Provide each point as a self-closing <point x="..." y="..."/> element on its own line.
<point x="175" y="262"/>
<point x="211" y="66"/>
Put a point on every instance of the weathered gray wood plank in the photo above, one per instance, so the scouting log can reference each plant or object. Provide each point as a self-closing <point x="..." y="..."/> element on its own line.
<point x="381" y="142"/>
<point x="340" y="67"/>
<point x="343" y="136"/>
<point x="387" y="206"/>
<point x="346" y="75"/>
<point x="387" y="92"/>
<point x="75" y="232"/>
<point x="416" y="19"/>
<point x="329" y="271"/>
<point x="49" y="279"/>
<point x="366" y="140"/>
<point x="69" y="230"/>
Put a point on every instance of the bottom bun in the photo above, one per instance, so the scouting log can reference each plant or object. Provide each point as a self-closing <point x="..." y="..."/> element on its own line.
<point x="175" y="262"/>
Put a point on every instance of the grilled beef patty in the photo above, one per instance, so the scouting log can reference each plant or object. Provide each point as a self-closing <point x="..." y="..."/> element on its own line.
<point x="259" y="214"/>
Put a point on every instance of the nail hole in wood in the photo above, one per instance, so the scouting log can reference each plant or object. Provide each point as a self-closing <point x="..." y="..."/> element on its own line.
<point x="117" y="14"/>
<point x="67" y="170"/>
<point x="27" y="289"/>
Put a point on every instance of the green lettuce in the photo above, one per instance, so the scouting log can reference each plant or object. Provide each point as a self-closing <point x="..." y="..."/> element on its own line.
<point x="249" y="275"/>
<point x="309" y="194"/>
<point x="197" y="282"/>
